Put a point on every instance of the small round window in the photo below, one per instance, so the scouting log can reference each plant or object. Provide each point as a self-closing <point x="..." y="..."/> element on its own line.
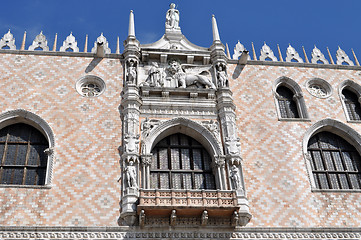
<point x="90" y="86"/>
<point x="319" y="88"/>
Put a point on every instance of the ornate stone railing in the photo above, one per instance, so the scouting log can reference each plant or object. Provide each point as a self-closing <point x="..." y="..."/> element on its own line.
<point x="187" y="198"/>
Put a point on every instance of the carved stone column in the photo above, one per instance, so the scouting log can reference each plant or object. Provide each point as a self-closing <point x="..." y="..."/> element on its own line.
<point x="130" y="111"/>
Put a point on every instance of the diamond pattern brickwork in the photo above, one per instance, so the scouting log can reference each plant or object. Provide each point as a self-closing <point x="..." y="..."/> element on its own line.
<point x="275" y="172"/>
<point x="87" y="131"/>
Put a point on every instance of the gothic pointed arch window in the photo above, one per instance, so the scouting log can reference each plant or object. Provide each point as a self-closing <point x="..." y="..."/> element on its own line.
<point x="335" y="163"/>
<point x="181" y="162"/>
<point x="289" y="99"/>
<point x="23" y="160"/>
<point x="352" y="105"/>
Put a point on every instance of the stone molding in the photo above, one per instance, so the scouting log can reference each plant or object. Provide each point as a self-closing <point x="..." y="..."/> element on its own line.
<point x="176" y="233"/>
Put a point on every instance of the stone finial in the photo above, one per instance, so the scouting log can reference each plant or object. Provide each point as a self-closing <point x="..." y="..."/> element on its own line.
<point x="117" y="51"/>
<point x="23" y="42"/>
<point x="254" y="53"/>
<point x="304" y="53"/>
<point x="279" y="53"/>
<point x="354" y="56"/>
<point x="227" y="51"/>
<point x="86" y="43"/>
<point x="291" y="53"/>
<point x="39" y="42"/>
<point x="70" y="43"/>
<point x="8" y="40"/>
<point x="267" y="53"/>
<point x="131" y="28"/>
<point x="101" y="42"/>
<point x="317" y="55"/>
<point x="238" y="50"/>
<point x="330" y="56"/>
<point x="342" y="57"/>
<point x="215" y="29"/>
<point x="55" y="42"/>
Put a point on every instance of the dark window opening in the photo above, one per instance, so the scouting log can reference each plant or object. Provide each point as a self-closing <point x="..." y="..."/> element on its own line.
<point x="23" y="160"/>
<point x="335" y="163"/>
<point x="180" y="162"/>
<point x="352" y="104"/>
<point x="287" y="106"/>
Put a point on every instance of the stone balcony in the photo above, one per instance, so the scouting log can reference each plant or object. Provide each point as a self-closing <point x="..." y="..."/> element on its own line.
<point x="187" y="203"/>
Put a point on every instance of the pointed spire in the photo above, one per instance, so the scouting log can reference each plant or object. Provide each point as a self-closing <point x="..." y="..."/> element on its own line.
<point x="354" y="56"/>
<point x="254" y="53"/>
<point x="86" y="43"/>
<point x="215" y="29"/>
<point x="131" y="29"/>
<point x="23" y="43"/>
<point x="304" y="53"/>
<point x="329" y="54"/>
<point x="55" y="41"/>
<point x="228" y="53"/>
<point x="117" y="50"/>
<point x="279" y="53"/>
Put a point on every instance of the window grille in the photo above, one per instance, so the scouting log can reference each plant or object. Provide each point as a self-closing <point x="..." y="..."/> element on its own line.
<point x="180" y="162"/>
<point x="335" y="163"/>
<point x="352" y="104"/>
<point x="23" y="160"/>
<point x="287" y="105"/>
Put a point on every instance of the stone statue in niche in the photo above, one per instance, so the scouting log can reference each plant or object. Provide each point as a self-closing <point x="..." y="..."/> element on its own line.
<point x="183" y="80"/>
<point x="235" y="177"/>
<point x="232" y="145"/>
<point x="204" y="219"/>
<point x="222" y="76"/>
<point x="131" y="173"/>
<point x="172" y="17"/>
<point x="131" y="72"/>
<point x="155" y="76"/>
<point x="131" y="144"/>
<point x="173" y="218"/>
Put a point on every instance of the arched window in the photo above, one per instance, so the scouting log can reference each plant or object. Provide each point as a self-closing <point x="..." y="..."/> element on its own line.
<point x="352" y="104"/>
<point x="23" y="160"/>
<point x="180" y="162"/>
<point x="287" y="105"/>
<point x="335" y="163"/>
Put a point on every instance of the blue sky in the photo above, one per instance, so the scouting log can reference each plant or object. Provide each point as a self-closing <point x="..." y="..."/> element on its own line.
<point x="300" y="23"/>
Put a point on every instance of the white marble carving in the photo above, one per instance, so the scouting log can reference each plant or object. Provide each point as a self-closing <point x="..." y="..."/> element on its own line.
<point x="131" y="144"/>
<point x="131" y="173"/>
<point x="235" y="177"/>
<point x="232" y="145"/>
<point x="131" y="75"/>
<point x="342" y="57"/>
<point x="222" y="76"/>
<point x="317" y="55"/>
<point x="172" y="18"/>
<point x="70" y="43"/>
<point x="267" y="53"/>
<point x="155" y="76"/>
<point x="204" y="218"/>
<point x="8" y="40"/>
<point x="183" y="80"/>
<point x="103" y="41"/>
<point x="291" y="53"/>
<point x="39" y="42"/>
<point x="238" y="50"/>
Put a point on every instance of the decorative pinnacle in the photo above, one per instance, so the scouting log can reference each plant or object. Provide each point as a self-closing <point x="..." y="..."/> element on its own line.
<point x="215" y="29"/>
<point x="131" y="29"/>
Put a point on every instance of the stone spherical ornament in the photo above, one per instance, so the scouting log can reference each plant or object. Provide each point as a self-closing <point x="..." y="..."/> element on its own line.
<point x="90" y="86"/>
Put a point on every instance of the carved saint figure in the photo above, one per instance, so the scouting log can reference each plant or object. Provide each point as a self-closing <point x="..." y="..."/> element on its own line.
<point x="222" y="76"/>
<point x="154" y="76"/>
<point x="131" y="173"/>
<point x="236" y="179"/>
<point x="172" y="17"/>
<point x="146" y="127"/>
<point x="131" y="73"/>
